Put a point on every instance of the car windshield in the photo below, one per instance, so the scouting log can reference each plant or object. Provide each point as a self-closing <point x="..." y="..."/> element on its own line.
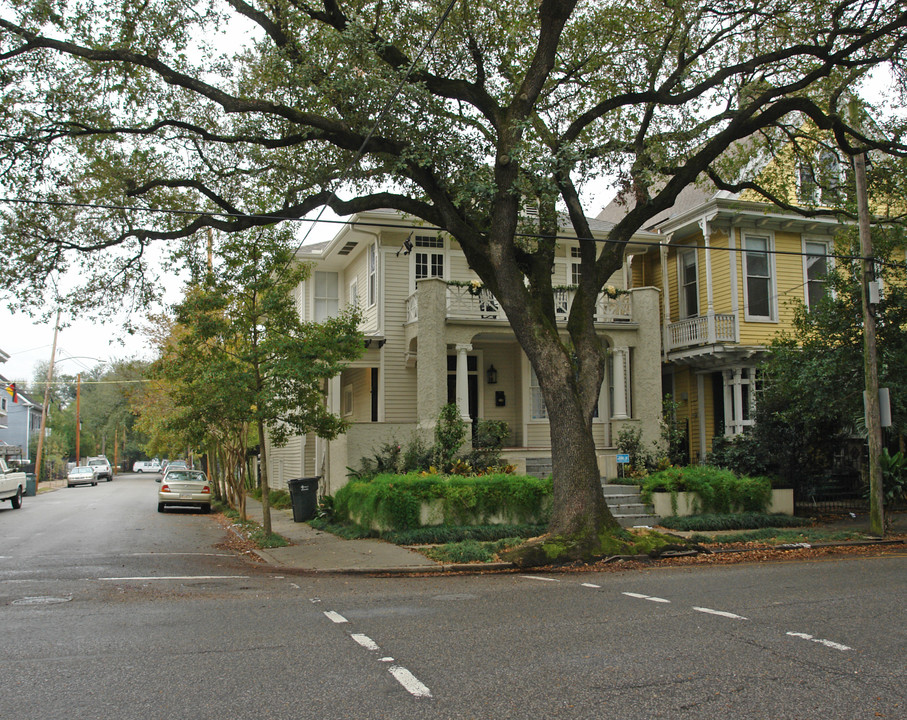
<point x="97" y="462"/>
<point x="184" y="476"/>
<point x="82" y="470"/>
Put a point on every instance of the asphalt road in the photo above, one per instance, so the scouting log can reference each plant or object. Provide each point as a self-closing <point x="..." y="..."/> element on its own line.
<point x="112" y="610"/>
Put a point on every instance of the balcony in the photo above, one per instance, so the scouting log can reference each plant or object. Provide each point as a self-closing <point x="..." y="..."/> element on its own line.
<point x="706" y="330"/>
<point x="465" y="304"/>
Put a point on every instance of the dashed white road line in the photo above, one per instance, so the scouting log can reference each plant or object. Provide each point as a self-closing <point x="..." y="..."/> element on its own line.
<point x="180" y="577"/>
<point x="536" y="577"/>
<point x="720" y="613"/>
<point x="826" y="643"/>
<point x="409" y="681"/>
<point x="365" y="641"/>
<point x="650" y="598"/>
<point x="591" y="585"/>
<point x="334" y="616"/>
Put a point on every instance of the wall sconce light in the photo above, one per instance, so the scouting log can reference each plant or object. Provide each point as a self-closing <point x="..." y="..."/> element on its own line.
<point x="492" y="375"/>
<point x="407" y="246"/>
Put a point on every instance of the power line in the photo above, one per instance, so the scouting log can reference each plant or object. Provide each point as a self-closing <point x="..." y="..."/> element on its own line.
<point x="407" y="227"/>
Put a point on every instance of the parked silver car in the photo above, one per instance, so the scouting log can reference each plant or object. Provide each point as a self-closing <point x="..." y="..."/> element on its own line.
<point x="82" y="475"/>
<point x="188" y="488"/>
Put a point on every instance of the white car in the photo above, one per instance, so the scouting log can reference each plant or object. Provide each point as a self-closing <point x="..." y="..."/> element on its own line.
<point x="82" y="475"/>
<point x="143" y="466"/>
<point x="102" y="467"/>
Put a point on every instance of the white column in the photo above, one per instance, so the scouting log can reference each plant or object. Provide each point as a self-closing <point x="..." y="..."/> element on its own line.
<point x="620" y="383"/>
<point x="726" y="377"/>
<point x="738" y="402"/>
<point x="710" y="301"/>
<point x="463" y="380"/>
<point x="700" y="402"/>
<point x="665" y="299"/>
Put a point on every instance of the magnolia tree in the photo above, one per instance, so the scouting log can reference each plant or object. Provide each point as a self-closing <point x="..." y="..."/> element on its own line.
<point x="130" y="125"/>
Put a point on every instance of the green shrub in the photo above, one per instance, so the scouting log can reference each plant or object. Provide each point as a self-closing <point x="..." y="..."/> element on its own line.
<point x="437" y="534"/>
<point x="395" y="501"/>
<point x="717" y="491"/>
<point x="738" y="521"/>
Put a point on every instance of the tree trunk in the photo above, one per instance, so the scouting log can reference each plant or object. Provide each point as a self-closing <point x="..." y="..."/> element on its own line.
<point x="265" y="487"/>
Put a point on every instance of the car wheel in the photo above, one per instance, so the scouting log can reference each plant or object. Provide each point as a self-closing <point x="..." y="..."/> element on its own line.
<point x="69" y="485"/>
<point x="17" y="500"/>
<point x="160" y="507"/>
<point x="206" y="508"/>
<point x="93" y="484"/>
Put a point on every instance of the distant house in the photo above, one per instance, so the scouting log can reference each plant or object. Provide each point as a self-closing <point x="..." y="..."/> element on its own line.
<point x="434" y="338"/>
<point x="19" y="420"/>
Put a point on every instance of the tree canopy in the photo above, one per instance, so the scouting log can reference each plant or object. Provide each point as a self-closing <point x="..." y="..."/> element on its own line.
<point x="125" y="125"/>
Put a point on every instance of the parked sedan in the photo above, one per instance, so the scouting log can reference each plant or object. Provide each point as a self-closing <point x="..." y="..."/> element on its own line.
<point x="189" y="488"/>
<point x="82" y="475"/>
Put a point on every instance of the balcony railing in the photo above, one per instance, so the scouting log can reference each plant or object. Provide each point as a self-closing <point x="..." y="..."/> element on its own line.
<point x="462" y="304"/>
<point x="702" y="331"/>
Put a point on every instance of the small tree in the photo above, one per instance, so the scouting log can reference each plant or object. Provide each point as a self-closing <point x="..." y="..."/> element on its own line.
<point x="245" y="358"/>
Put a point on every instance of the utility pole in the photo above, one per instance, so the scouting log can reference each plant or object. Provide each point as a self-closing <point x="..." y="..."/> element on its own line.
<point x="870" y="359"/>
<point x="50" y="375"/>
<point x="78" y="415"/>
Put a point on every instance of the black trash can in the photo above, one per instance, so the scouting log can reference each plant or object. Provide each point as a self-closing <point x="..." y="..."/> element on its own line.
<point x="31" y="485"/>
<point x="304" y="496"/>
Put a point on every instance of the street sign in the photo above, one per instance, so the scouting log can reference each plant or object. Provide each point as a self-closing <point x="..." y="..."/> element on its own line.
<point x="623" y="459"/>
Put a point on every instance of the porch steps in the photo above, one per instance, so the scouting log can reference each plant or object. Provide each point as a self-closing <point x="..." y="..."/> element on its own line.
<point x="625" y="506"/>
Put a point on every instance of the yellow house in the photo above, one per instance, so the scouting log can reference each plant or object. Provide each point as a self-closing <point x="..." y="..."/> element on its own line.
<point x="730" y="272"/>
<point x="432" y="338"/>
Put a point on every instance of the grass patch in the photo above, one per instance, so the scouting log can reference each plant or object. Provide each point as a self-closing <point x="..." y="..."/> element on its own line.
<point x="471" y="551"/>
<point x="781" y="537"/>
<point x="738" y="521"/>
<point x="278" y="499"/>
<point x="257" y="535"/>
<point x="432" y="535"/>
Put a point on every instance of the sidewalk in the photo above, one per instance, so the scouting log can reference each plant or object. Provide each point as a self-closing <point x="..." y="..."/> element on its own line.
<point x="316" y="551"/>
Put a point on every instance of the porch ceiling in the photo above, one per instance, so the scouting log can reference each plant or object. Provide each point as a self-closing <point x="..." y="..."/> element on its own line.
<point x="714" y="357"/>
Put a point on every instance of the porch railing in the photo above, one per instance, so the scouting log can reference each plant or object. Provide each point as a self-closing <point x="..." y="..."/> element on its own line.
<point x="462" y="304"/>
<point x="702" y="331"/>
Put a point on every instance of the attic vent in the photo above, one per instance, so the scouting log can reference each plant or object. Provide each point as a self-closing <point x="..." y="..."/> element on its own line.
<point x="531" y="210"/>
<point x="348" y="248"/>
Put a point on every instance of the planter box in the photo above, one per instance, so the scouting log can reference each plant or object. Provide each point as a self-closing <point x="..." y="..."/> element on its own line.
<point x="432" y="513"/>
<point x="782" y="502"/>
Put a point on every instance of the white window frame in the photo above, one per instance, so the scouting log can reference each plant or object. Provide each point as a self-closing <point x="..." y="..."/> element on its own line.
<point x="372" y="277"/>
<point x="537" y="410"/>
<point x="353" y="296"/>
<point x="432" y="250"/>
<point x="682" y="254"/>
<point x="771" y="279"/>
<point x="329" y="301"/>
<point x="347" y="400"/>
<point x="575" y="269"/>
<point x="829" y="264"/>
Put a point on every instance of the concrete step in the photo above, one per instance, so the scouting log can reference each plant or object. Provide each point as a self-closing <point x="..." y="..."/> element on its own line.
<point x="623" y="502"/>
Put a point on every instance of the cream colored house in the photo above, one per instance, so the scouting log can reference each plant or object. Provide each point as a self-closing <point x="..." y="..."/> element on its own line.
<point x="430" y="340"/>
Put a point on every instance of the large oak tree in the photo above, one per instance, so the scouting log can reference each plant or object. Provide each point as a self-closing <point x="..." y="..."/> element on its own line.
<point x="129" y="109"/>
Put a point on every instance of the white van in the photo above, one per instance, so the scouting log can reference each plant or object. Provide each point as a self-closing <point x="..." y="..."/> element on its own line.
<point x="149" y="466"/>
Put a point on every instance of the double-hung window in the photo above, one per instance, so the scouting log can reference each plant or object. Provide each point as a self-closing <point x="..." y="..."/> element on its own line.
<point x="689" y="283"/>
<point x="815" y="270"/>
<point x="372" y="284"/>
<point x="327" y="295"/>
<point x="757" y="270"/>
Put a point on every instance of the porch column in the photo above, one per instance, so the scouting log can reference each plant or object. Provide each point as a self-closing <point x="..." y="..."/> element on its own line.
<point x="431" y="363"/>
<point x="463" y="381"/>
<point x="727" y="382"/>
<point x="666" y="301"/>
<point x="738" y="401"/>
<point x="710" y="302"/>
<point x="620" y="383"/>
